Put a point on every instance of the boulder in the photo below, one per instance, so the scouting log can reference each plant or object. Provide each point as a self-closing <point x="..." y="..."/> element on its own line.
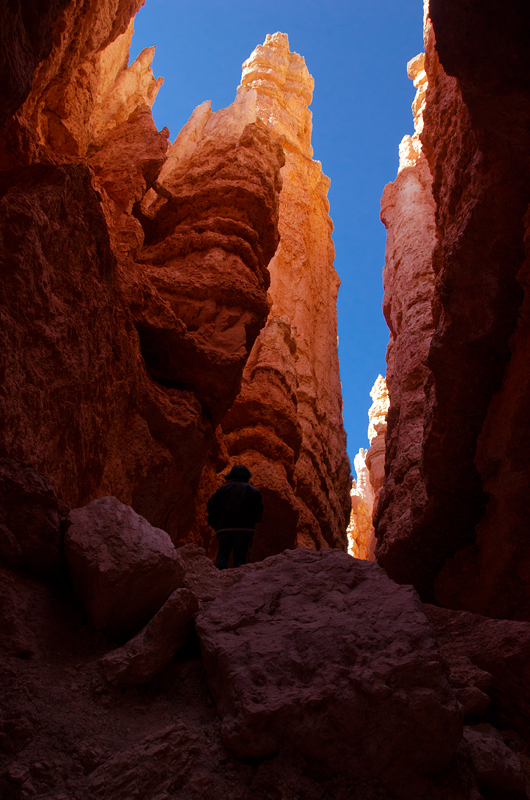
<point x="30" y="520"/>
<point x="321" y="653"/>
<point x="145" y="655"/>
<point x="122" y="568"/>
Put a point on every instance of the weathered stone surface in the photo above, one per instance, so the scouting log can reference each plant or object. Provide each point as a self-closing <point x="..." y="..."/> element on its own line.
<point x="491" y="576"/>
<point x="204" y="260"/>
<point x="145" y="655"/>
<point x="201" y="577"/>
<point x="321" y="653"/>
<point x="377" y="427"/>
<point x="494" y="764"/>
<point x="84" y="83"/>
<point x="286" y="422"/>
<point x="30" y="520"/>
<point x="122" y="568"/>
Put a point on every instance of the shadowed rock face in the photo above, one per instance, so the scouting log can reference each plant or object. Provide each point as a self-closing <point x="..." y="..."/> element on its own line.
<point x="126" y="323"/>
<point x="466" y="512"/>
<point x="310" y="649"/>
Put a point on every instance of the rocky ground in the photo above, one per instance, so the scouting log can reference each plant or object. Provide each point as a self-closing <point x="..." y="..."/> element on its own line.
<point x="308" y="675"/>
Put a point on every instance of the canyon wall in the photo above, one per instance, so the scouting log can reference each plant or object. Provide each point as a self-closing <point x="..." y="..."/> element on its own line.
<point x="286" y="422"/>
<point x="136" y="278"/>
<point x="454" y="507"/>
<point x="126" y="323"/>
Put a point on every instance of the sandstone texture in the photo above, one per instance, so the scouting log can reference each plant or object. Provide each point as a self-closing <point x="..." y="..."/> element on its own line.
<point x="286" y="422"/>
<point x="370" y="470"/>
<point x="147" y="653"/>
<point x="122" y="569"/>
<point x="360" y="529"/>
<point x="455" y="501"/>
<point x="320" y="652"/>
<point x="26" y="38"/>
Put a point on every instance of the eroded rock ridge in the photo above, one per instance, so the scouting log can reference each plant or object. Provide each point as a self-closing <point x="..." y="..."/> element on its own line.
<point x="451" y="515"/>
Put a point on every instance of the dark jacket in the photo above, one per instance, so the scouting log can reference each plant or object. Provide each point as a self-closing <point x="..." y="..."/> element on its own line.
<point x="237" y="504"/>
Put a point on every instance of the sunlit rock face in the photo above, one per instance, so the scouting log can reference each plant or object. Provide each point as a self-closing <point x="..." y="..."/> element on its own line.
<point x="408" y="212"/>
<point x="130" y="302"/>
<point x="458" y="535"/>
<point x="370" y="469"/>
<point x="286" y="423"/>
<point x="360" y="529"/>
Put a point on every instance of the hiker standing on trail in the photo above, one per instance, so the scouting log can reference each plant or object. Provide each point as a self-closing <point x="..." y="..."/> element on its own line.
<point x="233" y="511"/>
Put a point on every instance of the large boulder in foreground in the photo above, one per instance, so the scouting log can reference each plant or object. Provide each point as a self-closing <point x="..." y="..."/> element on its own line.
<point x="323" y="653"/>
<point x="147" y="653"/>
<point x="122" y="568"/>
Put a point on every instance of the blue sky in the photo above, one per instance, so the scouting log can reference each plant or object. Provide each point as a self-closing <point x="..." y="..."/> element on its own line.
<point x="357" y="53"/>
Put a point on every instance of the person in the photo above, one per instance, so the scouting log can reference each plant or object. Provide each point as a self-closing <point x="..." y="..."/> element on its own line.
<point x="233" y="511"/>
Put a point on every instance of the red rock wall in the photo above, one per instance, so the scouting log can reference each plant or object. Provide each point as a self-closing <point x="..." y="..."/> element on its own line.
<point x="124" y="332"/>
<point x="462" y="540"/>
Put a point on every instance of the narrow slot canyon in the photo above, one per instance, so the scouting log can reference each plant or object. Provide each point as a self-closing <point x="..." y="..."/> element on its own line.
<point x="169" y="311"/>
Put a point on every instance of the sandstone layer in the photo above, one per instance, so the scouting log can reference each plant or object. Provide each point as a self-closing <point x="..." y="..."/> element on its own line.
<point x="286" y="422"/>
<point x="455" y="502"/>
<point x="127" y="319"/>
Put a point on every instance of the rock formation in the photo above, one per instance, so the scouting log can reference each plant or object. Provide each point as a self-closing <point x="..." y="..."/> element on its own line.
<point x="451" y="511"/>
<point x="370" y="469"/>
<point x="141" y="356"/>
<point x="286" y="423"/>
<point x="126" y="324"/>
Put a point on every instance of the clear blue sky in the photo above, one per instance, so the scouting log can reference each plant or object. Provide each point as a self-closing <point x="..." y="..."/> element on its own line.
<point x="357" y="53"/>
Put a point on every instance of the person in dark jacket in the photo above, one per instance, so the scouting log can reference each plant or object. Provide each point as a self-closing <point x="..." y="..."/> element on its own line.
<point x="233" y="511"/>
